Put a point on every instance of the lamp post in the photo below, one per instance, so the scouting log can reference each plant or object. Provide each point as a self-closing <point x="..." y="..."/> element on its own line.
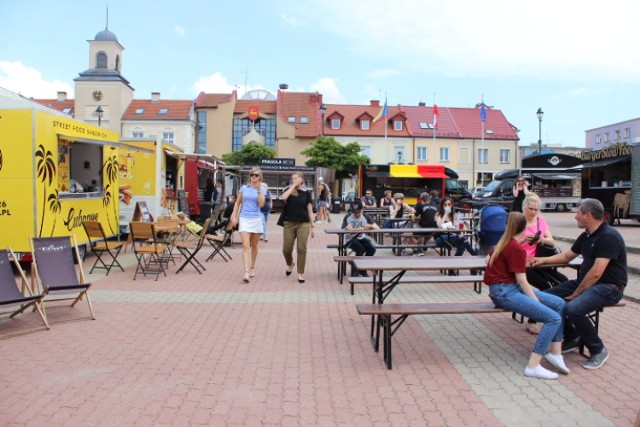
<point x="540" y="113"/>
<point x="99" y="112"/>
<point x="323" y="111"/>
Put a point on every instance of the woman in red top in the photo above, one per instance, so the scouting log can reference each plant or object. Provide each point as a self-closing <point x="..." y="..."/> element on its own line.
<point x="507" y="279"/>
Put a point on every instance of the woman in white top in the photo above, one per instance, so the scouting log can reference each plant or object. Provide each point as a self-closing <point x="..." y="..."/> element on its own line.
<point x="246" y="213"/>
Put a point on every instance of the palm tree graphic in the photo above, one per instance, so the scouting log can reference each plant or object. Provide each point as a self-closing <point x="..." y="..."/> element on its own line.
<point x="111" y="167"/>
<point x="54" y="207"/>
<point x="106" y="199"/>
<point x="46" y="168"/>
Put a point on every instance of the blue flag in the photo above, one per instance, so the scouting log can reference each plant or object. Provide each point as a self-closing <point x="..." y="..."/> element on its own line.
<point x="483" y="113"/>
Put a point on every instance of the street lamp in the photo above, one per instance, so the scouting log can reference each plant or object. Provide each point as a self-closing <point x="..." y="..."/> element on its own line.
<point x="323" y="111"/>
<point x="540" y="113"/>
<point x="99" y="112"/>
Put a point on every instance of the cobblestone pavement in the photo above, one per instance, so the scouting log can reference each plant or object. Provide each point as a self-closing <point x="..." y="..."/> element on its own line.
<point x="207" y="349"/>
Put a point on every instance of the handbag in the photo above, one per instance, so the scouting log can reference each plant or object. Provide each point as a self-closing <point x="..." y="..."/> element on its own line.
<point x="281" y="218"/>
<point x="543" y="251"/>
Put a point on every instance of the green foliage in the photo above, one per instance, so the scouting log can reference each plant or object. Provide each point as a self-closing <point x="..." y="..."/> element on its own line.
<point x="251" y="154"/>
<point x="329" y="153"/>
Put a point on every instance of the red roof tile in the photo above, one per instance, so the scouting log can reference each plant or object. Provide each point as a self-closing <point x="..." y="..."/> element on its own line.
<point x="213" y="99"/>
<point x="58" y="105"/>
<point x="298" y="105"/>
<point x="265" y="106"/>
<point x="176" y="109"/>
<point x="352" y="114"/>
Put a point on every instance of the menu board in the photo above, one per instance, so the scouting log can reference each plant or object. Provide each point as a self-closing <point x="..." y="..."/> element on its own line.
<point x="183" y="204"/>
<point x="141" y="213"/>
<point x="635" y="181"/>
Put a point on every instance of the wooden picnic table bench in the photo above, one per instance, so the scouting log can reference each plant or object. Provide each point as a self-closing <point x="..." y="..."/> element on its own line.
<point x="384" y="312"/>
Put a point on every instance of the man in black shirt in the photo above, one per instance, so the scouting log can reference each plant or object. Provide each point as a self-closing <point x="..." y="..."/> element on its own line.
<point x="602" y="279"/>
<point x="425" y="216"/>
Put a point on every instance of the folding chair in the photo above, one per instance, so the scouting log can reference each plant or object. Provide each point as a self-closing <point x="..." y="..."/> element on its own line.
<point x="55" y="270"/>
<point x="100" y="245"/>
<point x="11" y="294"/>
<point x="169" y="230"/>
<point x="218" y="243"/>
<point x="190" y="248"/>
<point x="149" y="253"/>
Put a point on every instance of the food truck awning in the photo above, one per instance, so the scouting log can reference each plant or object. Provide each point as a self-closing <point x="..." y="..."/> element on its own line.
<point x="557" y="176"/>
<point x="89" y="140"/>
<point x="204" y="161"/>
<point x="601" y="163"/>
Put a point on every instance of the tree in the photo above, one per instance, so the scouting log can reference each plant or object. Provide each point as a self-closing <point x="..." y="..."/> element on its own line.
<point x="251" y="154"/>
<point x="329" y="153"/>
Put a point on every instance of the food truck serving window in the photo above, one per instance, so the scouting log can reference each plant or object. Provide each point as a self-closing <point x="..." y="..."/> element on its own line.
<point x="79" y="167"/>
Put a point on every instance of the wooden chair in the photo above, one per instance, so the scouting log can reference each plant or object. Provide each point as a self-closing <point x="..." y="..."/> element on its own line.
<point x="189" y="249"/>
<point x="149" y="253"/>
<point x="55" y="271"/>
<point x="12" y="295"/>
<point x="218" y="243"/>
<point x="169" y="230"/>
<point x="101" y="246"/>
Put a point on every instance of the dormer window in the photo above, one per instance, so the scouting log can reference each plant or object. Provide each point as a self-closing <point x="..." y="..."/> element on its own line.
<point x="365" y="124"/>
<point x="397" y="125"/>
<point x="335" y="123"/>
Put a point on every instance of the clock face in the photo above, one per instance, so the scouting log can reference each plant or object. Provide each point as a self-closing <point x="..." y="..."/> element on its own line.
<point x="97" y="95"/>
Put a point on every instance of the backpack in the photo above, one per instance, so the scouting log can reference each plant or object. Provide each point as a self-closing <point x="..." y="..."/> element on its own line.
<point x="493" y="222"/>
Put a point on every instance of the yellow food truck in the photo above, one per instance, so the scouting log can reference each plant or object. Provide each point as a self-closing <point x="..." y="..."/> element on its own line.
<point x="55" y="172"/>
<point x="148" y="172"/>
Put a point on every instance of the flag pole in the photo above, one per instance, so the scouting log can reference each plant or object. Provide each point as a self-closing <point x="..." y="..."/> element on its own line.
<point x="482" y="119"/>
<point x="435" y="124"/>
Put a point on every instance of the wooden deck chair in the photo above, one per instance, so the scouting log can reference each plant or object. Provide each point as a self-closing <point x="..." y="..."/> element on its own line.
<point x="218" y="243"/>
<point x="101" y="246"/>
<point x="149" y="253"/>
<point x="55" y="270"/>
<point x="190" y="249"/>
<point x="12" y="294"/>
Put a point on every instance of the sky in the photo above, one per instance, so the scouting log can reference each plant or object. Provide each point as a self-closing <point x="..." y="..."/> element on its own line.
<point x="577" y="60"/>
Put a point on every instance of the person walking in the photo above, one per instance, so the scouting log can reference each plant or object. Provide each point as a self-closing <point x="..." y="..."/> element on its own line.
<point x="246" y="215"/>
<point x="508" y="288"/>
<point x="324" y="197"/>
<point x="603" y="278"/>
<point x="265" y="211"/>
<point x="298" y="214"/>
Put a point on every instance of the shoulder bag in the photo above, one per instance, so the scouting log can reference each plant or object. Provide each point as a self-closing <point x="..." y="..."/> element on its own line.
<point x="543" y="251"/>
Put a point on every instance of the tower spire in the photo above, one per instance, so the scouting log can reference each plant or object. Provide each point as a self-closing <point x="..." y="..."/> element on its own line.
<point x="107" y="25"/>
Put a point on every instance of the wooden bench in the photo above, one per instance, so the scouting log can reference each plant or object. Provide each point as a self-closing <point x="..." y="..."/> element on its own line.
<point x="404" y="310"/>
<point x="475" y="279"/>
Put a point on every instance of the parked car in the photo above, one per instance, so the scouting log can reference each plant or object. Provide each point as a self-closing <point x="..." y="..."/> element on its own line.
<point x="475" y="191"/>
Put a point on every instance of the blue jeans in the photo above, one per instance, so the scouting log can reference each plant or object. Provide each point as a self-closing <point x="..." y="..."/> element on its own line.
<point x="578" y="324"/>
<point x="547" y="311"/>
<point x="461" y="243"/>
<point x="265" y="219"/>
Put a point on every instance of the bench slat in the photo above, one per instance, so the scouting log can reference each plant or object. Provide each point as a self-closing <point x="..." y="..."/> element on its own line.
<point x="428" y="308"/>
<point x="422" y="279"/>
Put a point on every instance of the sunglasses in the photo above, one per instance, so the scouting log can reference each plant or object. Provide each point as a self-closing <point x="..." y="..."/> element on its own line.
<point x="254" y="174"/>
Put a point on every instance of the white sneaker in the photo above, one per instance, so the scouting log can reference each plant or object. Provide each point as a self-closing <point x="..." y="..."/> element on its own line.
<point x="540" y="372"/>
<point x="558" y="362"/>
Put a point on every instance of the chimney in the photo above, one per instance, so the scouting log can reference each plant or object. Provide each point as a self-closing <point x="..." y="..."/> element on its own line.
<point x="375" y="103"/>
<point x="422" y="104"/>
<point x="155" y="96"/>
<point x="62" y="96"/>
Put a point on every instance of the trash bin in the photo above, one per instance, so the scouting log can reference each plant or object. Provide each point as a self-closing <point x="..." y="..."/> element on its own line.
<point x="205" y="211"/>
<point x="336" y="205"/>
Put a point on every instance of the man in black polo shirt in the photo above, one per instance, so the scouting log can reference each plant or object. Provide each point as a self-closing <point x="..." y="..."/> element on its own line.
<point x="602" y="279"/>
<point x="425" y="216"/>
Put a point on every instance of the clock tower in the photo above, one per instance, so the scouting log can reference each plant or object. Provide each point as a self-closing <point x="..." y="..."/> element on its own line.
<point x="103" y="85"/>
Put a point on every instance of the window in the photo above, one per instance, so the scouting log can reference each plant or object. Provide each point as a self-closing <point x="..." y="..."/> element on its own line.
<point x="66" y="110"/>
<point x="101" y="60"/>
<point x="421" y="154"/>
<point x="464" y="155"/>
<point x="137" y="134"/>
<point x="365" y="151"/>
<point x="335" y="123"/>
<point x="80" y="167"/>
<point x="399" y="154"/>
<point x="397" y="125"/>
<point x="483" y="155"/>
<point x="489" y="132"/>
<point x="163" y="111"/>
<point x="606" y="137"/>
<point x="364" y="124"/>
<point x="168" y="136"/>
<point x="627" y="133"/>
<point x="505" y="155"/>
<point x="139" y="111"/>
<point x="291" y="119"/>
<point x="617" y="135"/>
<point x="304" y="119"/>
<point x="201" y="136"/>
<point x="265" y="127"/>
<point x="425" y="125"/>
<point x="444" y="154"/>
<point x="598" y="139"/>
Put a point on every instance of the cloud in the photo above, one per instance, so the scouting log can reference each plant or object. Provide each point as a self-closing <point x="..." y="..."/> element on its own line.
<point x="329" y="90"/>
<point x="180" y="31"/>
<point x="217" y="83"/>
<point x="28" y="81"/>
<point x="291" y="20"/>
<point x="571" y="39"/>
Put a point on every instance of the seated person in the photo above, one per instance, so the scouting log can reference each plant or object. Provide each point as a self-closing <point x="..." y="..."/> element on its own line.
<point x="368" y="201"/>
<point x="360" y="243"/>
<point x="444" y="219"/>
<point x="231" y="200"/>
<point x="425" y="216"/>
